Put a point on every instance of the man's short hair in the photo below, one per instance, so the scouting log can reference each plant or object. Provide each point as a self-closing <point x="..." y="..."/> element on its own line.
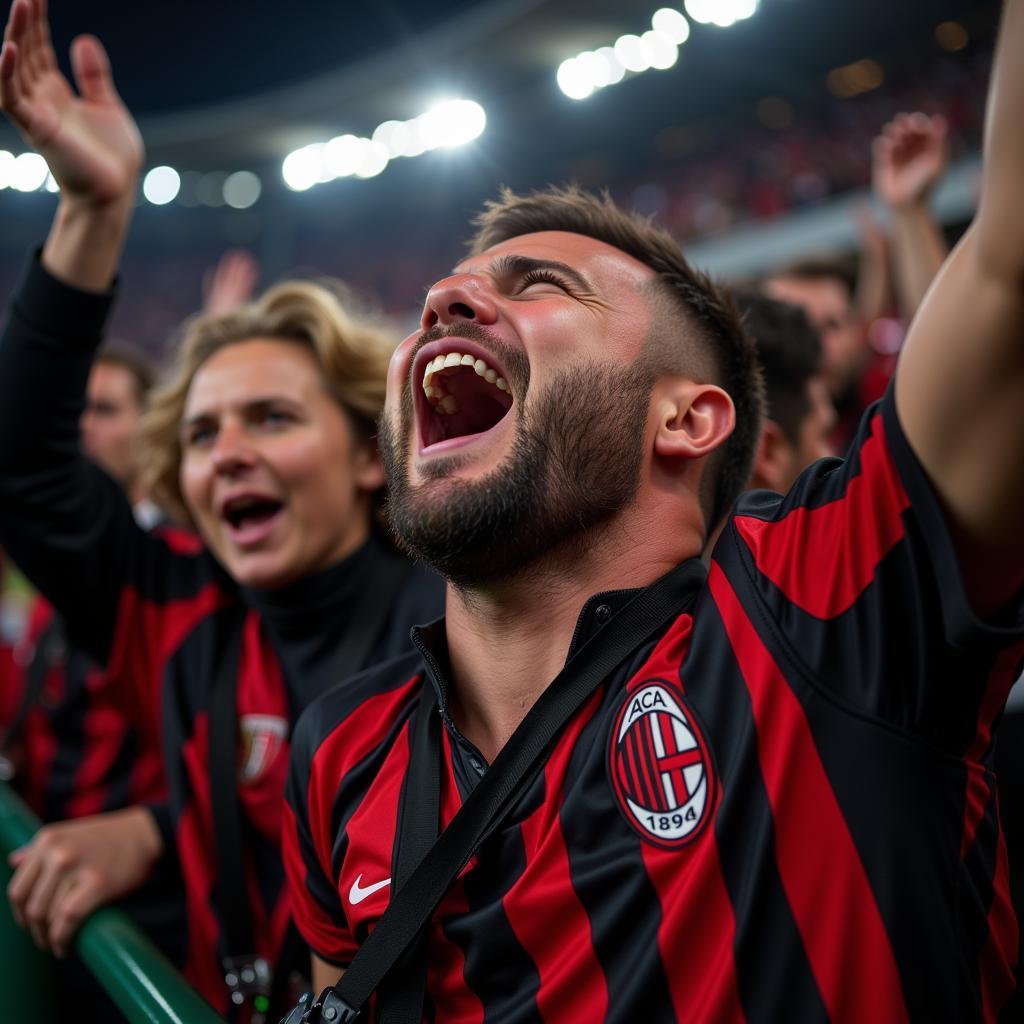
<point x="137" y="362"/>
<point x="821" y="269"/>
<point x="790" y="352"/>
<point x="706" y="340"/>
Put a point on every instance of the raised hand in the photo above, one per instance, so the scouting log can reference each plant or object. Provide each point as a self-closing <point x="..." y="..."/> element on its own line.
<point x="231" y="283"/>
<point x="89" y="139"/>
<point x="908" y="158"/>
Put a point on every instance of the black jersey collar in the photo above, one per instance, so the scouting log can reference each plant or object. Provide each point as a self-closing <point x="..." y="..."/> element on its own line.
<point x="318" y="599"/>
<point x="432" y="643"/>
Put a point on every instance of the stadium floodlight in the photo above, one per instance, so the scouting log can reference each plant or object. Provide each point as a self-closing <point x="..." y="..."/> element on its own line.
<point x="394" y="136"/>
<point x="28" y="172"/>
<point x="161" y="185"/>
<point x="6" y="168"/>
<point x="375" y="159"/>
<point x="416" y="144"/>
<point x="722" y="13"/>
<point x="448" y="123"/>
<point x="573" y="79"/>
<point x="616" y="71"/>
<point x="303" y="168"/>
<point x="671" y="23"/>
<point x="632" y="53"/>
<point x="582" y="75"/>
<point x="597" y="68"/>
<point x="242" y="189"/>
<point x="50" y="185"/>
<point x="452" y="123"/>
<point x="662" y="53"/>
<point x="343" y="155"/>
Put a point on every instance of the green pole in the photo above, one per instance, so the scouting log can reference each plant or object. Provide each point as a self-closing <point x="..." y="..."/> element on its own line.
<point x="26" y="973"/>
<point x="139" y="979"/>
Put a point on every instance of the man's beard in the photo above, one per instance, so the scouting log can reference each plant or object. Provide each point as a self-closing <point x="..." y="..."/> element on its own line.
<point x="574" y="464"/>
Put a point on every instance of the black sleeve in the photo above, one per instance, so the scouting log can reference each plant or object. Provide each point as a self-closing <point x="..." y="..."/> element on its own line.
<point x="64" y="522"/>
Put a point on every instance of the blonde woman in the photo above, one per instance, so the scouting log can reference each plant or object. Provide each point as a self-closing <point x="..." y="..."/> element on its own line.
<point x="263" y="441"/>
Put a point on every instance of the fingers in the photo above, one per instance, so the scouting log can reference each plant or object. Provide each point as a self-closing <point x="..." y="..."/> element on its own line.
<point x="906" y="129"/>
<point x="11" y="62"/>
<point x="17" y="21"/>
<point x="43" y="57"/>
<point x="75" y="899"/>
<point x="56" y="866"/>
<point x="91" y="67"/>
<point x="20" y="886"/>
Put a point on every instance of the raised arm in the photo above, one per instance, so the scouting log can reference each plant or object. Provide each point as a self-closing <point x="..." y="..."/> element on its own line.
<point x="960" y="383"/>
<point x="909" y="158"/>
<point x="89" y="140"/>
<point x="65" y="523"/>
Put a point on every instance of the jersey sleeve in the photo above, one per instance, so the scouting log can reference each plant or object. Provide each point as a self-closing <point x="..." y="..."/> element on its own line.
<point x="856" y="584"/>
<point x="307" y="841"/>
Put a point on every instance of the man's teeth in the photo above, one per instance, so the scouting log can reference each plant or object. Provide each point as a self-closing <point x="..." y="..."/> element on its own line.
<point x="438" y="396"/>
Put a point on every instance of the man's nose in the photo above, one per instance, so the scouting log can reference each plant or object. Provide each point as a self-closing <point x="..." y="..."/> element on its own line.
<point x="459" y="297"/>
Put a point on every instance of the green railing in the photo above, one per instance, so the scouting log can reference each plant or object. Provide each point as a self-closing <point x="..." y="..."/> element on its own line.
<point x="138" y="978"/>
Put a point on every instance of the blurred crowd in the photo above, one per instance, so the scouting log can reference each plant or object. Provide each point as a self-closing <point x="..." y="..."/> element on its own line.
<point x="791" y="154"/>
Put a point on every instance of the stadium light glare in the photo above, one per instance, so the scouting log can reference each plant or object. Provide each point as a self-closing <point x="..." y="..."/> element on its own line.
<point x="242" y="189"/>
<point x="573" y="79"/>
<point x="670" y="22"/>
<point x="375" y="159"/>
<point x="595" y="67"/>
<point x="446" y="124"/>
<point x="28" y="172"/>
<point x="662" y="53"/>
<point x="393" y="136"/>
<point x="343" y="155"/>
<point x="632" y="53"/>
<point x="616" y="72"/>
<point x="50" y="185"/>
<point x="581" y="76"/>
<point x="6" y="168"/>
<point x="722" y="13"/>
<point x="416" y="143"/>
<point x="303" y="168"/>
<point x="161" y="185"/>
<point x="452" y="123"/>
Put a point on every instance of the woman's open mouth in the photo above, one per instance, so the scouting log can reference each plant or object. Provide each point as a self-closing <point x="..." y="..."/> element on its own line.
<point x="459" y="394"/>
<point x="249" y="518"/>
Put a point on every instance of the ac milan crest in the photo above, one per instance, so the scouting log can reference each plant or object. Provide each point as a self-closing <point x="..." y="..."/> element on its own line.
<point x="660" y="765"/>
<point x="262" y="737"/>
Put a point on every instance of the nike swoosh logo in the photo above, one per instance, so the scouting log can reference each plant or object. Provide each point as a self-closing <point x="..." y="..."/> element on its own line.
<point x="358" y="893"/>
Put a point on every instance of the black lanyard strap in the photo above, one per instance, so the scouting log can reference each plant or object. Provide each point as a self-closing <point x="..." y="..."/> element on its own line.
<point x="515" y="767"/>
<point x="400" y="996"/>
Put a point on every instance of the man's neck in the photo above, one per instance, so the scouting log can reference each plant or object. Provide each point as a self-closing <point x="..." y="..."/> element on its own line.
<point x="506" y="642"/>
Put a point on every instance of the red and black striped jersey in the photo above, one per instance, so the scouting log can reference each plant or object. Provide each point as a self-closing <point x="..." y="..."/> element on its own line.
<point x="156" y="609"/>
<point x="79" y="753"/>
<point x="780" y="810"/>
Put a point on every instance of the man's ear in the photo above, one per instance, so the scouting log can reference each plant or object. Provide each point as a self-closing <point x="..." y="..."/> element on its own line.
<point x="693" y="420"/>
<point x="772" y="460"/>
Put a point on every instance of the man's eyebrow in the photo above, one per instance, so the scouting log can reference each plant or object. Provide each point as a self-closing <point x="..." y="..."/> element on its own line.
<point x="512" y="266"/>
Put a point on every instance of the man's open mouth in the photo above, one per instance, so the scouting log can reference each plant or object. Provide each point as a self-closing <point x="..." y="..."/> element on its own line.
<point x="461" y="394"/>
